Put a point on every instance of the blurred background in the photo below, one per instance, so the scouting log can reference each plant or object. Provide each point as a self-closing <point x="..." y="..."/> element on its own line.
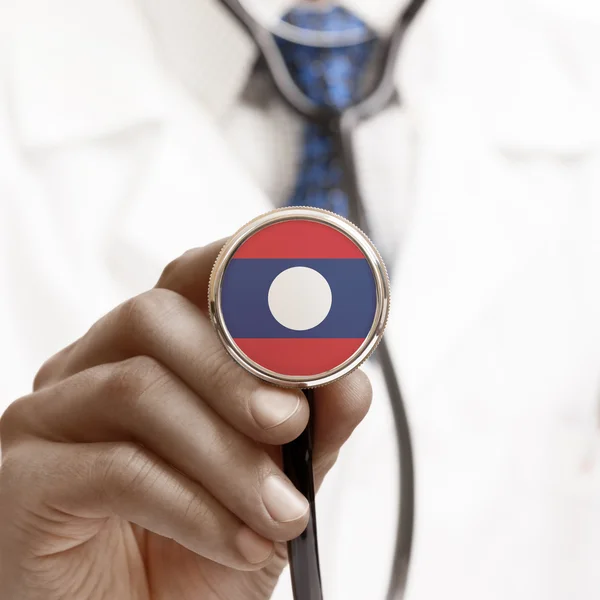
<point x="133" y="130"/>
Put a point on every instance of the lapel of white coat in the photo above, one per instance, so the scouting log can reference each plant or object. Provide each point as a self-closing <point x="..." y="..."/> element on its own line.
<point x="484" y="211"/>
<point x="472" y="227"/>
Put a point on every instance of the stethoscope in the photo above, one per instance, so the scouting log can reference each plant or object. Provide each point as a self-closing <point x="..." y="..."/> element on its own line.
<point x="303" y="552"/>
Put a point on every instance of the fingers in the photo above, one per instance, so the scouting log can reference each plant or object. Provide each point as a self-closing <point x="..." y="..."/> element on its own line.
<point x="91" y="482"/>
<point x="164" y="325"/>
<point x="339" y="408"/>
<point x="188" y="275"/>
<point x="159" y="351"/>
<point x="138" y="400"/>
<point x="173" y="331"/>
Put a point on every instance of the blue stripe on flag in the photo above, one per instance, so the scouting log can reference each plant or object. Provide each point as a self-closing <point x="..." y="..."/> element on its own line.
<point x="245" y="305"/>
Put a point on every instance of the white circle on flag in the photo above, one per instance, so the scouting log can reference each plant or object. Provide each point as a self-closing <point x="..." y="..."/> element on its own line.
<point x="300" y="298"/>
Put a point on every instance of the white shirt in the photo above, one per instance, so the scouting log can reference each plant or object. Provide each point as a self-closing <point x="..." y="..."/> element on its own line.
<point x="130" y="131"/>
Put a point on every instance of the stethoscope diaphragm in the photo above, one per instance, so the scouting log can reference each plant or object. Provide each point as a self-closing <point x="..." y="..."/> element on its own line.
<point x="299" y="297"/>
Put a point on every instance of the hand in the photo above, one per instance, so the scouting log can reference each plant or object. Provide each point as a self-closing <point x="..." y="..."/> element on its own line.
<point x="146" y="463"/>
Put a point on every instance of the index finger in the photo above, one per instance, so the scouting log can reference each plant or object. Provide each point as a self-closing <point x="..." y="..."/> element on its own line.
<point x="188" y="275"/>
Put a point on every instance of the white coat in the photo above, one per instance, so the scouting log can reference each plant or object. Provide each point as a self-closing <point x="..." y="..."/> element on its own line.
<point x="131" y="131"/>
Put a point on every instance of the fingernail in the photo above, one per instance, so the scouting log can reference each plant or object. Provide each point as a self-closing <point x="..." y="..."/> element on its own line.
<point x="283" y="501"/>
<point x="252" y="547"/>
<point x="271" y="408"/>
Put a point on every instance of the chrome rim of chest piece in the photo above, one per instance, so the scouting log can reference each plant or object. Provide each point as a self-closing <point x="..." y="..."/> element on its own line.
<point x="299" y="297"/>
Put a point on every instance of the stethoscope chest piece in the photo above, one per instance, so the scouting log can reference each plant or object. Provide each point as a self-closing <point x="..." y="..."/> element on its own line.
<point x="299" y="297"/>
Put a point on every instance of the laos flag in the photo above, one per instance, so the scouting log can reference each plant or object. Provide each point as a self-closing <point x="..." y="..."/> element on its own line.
<point x="299" y="297"/>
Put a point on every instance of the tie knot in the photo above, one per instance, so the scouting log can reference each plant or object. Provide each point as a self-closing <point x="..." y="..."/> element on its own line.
<point x="329" y="76"/>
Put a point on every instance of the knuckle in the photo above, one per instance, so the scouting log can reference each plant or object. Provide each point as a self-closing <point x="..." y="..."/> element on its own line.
<point x="363" y="386"/>
<point x="144" y="312"/>
<point x="124" y="469"/>
<point x="197" y="509"/>
<point x="264" y="465"/>
<point x="18" y="472"/>
<point x="44" y="374"/>
<point x="18" y="455"/>
<point x="353" y="396"/>
<point x="137" y="309"/>
<point x="52" y="369"/>
<point x="223" y="448"/>
<point x="324" y="464"/>
<point x="169" y="273"/>
<point x="178" y="271"/>
<point x="10" y="472"/>
<point x="131" y="380"/>
<point x="8" y="467"/>
<point x="13" y="420"/>
<point x="362" y="393"/>
<point x="225" y="374"/>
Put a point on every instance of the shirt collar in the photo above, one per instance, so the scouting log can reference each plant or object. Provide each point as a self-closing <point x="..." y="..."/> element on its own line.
<point x="378" y="14"/>
<point x="81" y="69"/>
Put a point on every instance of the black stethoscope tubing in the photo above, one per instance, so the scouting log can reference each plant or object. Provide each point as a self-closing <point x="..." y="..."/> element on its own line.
<point x="297" y="456"/>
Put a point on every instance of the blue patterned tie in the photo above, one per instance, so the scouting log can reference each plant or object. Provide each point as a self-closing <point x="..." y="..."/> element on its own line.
<point x="329" y="77"/>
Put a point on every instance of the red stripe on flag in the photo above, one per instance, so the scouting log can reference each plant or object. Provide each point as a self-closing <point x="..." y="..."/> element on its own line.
<point x="299" y="356"/>
<point x="299" y="239"/>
